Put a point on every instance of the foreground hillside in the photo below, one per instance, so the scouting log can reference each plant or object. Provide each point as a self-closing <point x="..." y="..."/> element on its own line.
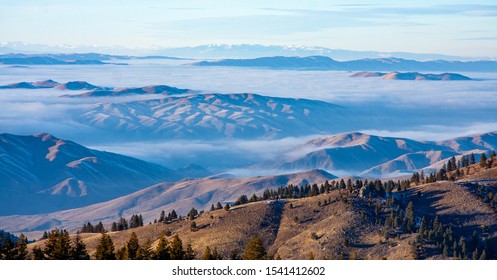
<point x="180" y="196"/>
<point x="354" y="220"/>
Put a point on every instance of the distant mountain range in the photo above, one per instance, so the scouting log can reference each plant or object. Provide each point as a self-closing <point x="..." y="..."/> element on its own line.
<point x="413" y="76"/>
<point x="219" y="51"/>
<point x="70" y="59"/>
<point x="180" y="196"/>
<point x="97" y="91"/>
<point x="42" y="173"/>
<point x="375" y="156"/>
<point x="377" y="64"/>
<point x="209" y="116"/>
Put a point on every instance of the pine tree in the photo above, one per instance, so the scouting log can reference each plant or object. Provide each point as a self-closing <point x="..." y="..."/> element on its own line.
<point x="21" y="248"/>
<point x="45" y="235"/>
<point x="212" y="207"/>
<point x="483" y="160"/>
<point x="38" y="253"/>
<point x="254" y="250"/>
<point x="105" y="248"/>
<point x="58" y="245"/>
<point x="174" y="216"/>
<point x="113" y="227"/>
<point x="162" y="249"/>
<point x="219" y="206"/>
<point x="145" y="251"/>
<point x="132" y="246"/>
<point x="121" y="254"/>
<point x="207" y="255"/>
<point x="176" y="249"/>
<point x="472" y="159"/>
<point x="78" y="251"/>
<point x="410" y="216"/>
<point x="192" y="214"/>
<point x="227" y="207"/>
<point x="189" y="252"/>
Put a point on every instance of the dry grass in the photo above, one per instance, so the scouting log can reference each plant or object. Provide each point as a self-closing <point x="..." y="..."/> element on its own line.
<point x="293" y="229"/>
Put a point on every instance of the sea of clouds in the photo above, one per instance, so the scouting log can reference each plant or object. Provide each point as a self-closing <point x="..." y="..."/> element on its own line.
<point x="421" y="110"/>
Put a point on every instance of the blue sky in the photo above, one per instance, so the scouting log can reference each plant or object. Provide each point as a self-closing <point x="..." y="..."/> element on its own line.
<point x="449" y="27"/>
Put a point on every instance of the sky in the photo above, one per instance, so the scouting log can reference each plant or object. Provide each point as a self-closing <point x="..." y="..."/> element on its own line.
<point x="465" y="28"/>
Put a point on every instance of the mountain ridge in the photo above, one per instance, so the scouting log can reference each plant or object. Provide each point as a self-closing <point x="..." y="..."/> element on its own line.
<point x="180" y="196"/>
<point x="44" y="173"/>
<point x="376" y="64"/>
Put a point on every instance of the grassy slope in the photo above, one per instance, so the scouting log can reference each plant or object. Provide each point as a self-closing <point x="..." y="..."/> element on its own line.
<point x="343" y="226"/>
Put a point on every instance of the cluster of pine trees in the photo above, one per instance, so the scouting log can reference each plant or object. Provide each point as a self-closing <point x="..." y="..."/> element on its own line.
<point x="454" y="169"/>
<point x="58" y="246"/>
<point x="171" y="216"/>
<point x="89" y="228"/>
<point x="11" y="249"/>
<point x="368" y="188"/>
<point x="432" y="237"/>
<point x="122" y="224"/>
<point x="133" y="250"/>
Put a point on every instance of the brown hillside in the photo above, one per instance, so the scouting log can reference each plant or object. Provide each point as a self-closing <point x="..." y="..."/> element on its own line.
<point x="330" y="226"/>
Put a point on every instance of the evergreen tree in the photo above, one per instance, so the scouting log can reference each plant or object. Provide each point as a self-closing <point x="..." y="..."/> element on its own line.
<point x="145" y="251"/>
<point x="472" y="159"/>
<point x="192" y="214"/>
<point x="174" y="216"/>
<point x="162" y="249"/>
<point x="189" y="252"/>
<point x="219" y="206"/>
<point x="254" y="250"/>
<point x="132" y="246"/>
<point x="410" y="216"/>
<point x="227" y="207"/>
<point x="176" y="249"/>
<point x="483" y="160"/>
<point x="22" y="248"/>
<point x="38" y="253"/>
<point x="105" y="248"/>
<point x="58" y="245"/>
<point x="45" y="235"/>
<point x="212" y="207"/>
<point x="207" y="255"/>
<point x="78" y="251"/>
<point x="99" y="228"/>
<point x="162" y="216"/>
<point x="121" y="254"/>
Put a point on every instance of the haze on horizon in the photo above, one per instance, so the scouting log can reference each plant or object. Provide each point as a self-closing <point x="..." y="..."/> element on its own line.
<point x="447" y="27"/>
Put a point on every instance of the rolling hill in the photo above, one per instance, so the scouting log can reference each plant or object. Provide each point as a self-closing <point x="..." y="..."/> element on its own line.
<point x="180" y="196"/>
<point x="376" y="156"/>
<point x="41" y="173"/>
<point x="344" y="227"/>
<point x="412" y="76"/>
<point x="209" y="116"/>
